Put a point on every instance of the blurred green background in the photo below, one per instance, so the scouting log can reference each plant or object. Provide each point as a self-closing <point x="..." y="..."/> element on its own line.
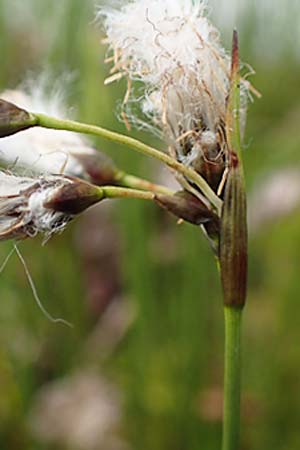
<point x="142" y="367"/>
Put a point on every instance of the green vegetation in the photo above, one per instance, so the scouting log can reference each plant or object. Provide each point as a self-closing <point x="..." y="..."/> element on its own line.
<point x="168" y="361"/>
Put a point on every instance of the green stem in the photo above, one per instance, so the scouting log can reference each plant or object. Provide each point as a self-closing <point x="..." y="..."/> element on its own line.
<point x="69" y="125"/>
<point x="134" y="182"/>
<point x="119" y="192"/>
<point x="232" y="377"/>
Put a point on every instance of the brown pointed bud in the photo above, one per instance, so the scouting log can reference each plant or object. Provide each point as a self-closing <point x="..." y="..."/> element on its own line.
<point x="187" y="206"/>
<point x="14" y="119"/>
<point x="233" y="237"/>
<point x="99" y="167"/>
<point x="235" y="60"/>
<point x="74" y="198"/>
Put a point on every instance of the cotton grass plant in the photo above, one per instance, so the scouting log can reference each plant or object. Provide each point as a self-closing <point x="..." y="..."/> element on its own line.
<point x="190" y="91"/>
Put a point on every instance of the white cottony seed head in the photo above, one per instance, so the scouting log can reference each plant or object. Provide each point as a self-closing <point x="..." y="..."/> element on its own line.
<point x="171" y="46"/>
<point x="22" y="206"/>
<point x="173" y="49"/>
<point x="43" y="151"/>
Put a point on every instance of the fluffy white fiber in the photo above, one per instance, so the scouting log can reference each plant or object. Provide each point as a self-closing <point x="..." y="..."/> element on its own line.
<point x="174" y="50"/>
<point x="22" y="210"/>
<point x="39" y="150"/>
<point x="155" y="36"/>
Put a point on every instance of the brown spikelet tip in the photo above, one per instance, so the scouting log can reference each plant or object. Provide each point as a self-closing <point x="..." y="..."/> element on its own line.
<point x="235" y="54"/>
<point x="14" y="119"/>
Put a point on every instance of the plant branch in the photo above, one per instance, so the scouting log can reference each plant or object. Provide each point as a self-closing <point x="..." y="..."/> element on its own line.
<point x="187" y="172"/>
<point x="233" y="259"/>
<point x="232" y="378"/>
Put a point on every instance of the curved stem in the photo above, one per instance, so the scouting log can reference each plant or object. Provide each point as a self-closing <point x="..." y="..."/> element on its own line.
<point x="70" y="125"/>
<point x="232" y="378"/>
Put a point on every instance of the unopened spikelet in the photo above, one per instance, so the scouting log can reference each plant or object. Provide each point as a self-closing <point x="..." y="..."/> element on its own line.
<point x="44" y="151"/>
<point x="14" y="119"/>
<point x="29" y="206"/>
<point x="188" y="207"/>
<point x="174" y="50"/>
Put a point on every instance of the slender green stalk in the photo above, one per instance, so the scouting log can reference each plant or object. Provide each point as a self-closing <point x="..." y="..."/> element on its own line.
<point x="134" y="182"/>
<point x="232" y="378"/>
<point x="119" y="192"/>
<point x="69" y="125"/>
